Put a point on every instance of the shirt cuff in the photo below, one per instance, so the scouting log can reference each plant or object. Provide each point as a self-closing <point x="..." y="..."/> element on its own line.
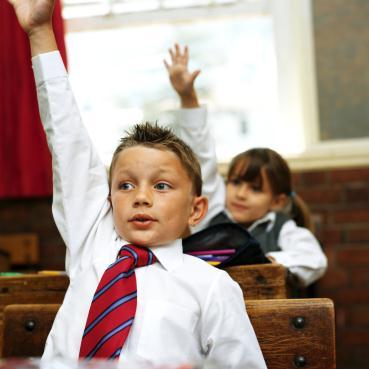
<point x="282" y="258"/>
<point x="48" y="66"/>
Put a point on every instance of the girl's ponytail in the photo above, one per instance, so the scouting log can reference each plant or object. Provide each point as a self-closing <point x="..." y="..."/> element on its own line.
<point x="300" y="213"/>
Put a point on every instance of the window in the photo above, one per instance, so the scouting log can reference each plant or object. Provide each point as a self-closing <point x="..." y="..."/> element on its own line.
<point x="256" y="57"/>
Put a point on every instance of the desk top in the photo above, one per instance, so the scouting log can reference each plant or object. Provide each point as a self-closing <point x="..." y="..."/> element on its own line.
<point x="259" y="281"/>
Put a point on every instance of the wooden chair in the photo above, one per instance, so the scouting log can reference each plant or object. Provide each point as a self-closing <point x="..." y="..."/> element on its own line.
<point x="31" y="289"/>
<point x="23" y="248"/>
<point x="261" y="281"/>
<point x="26" y="328"/>
<point x="295" y="333"/>
<point x="292" y="333"/>
<point x="267" y="281"/>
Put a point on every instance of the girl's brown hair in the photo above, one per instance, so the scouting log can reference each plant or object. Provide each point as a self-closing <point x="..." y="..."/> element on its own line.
<point x="247" y="166"/>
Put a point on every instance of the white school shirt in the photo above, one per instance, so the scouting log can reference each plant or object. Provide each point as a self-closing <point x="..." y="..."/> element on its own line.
<point x="300" y="250"/>
<point x="186" y="309"/>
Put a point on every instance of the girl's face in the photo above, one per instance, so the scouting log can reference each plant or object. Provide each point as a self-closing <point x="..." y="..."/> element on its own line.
<point x="250" y="201"/>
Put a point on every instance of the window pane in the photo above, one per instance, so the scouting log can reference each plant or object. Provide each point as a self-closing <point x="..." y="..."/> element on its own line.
<point x="119" y="79"/>
<point x="342" y="58"/>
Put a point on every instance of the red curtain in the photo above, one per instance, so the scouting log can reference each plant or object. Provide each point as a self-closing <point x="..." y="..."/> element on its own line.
<point x="25" y="162"/>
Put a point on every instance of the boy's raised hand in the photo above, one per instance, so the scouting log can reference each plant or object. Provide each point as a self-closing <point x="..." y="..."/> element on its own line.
<point x="35" y="17"/>
<point x="32" y="14"/>
<point x="180" y="77"/>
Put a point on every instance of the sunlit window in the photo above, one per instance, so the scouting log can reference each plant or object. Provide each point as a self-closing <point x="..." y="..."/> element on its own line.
<point x="119" y="77"/>
<point x="258" y="74"/>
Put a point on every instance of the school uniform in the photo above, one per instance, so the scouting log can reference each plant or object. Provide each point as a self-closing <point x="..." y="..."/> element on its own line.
<point x="186" y="311"/>
<point x="290" y="245"/>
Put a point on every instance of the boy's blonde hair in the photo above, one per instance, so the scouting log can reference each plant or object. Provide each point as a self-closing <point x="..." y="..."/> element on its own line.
<point x="161" y="138"/>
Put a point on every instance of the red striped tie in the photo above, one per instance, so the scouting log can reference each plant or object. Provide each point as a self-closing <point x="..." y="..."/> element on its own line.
<point x="113" y="306"/>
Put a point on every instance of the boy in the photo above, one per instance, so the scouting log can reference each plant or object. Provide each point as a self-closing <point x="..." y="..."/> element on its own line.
<point x="184" y="311"/>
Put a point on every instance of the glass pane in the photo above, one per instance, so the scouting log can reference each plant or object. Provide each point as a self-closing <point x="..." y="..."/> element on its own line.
<point x="119" y="79"/>
<point x="342" y="57"/>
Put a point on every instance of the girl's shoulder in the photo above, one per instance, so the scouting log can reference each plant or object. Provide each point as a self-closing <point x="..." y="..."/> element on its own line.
<point x="279" y="222"/>
<point x="289" y="229"/>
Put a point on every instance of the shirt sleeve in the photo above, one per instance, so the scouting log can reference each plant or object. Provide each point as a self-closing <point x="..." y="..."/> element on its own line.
<point x="228" y="338"/>
<point x="300" y="253"/>
<point x="194" y="130"/>
<point x="80" y="185"/>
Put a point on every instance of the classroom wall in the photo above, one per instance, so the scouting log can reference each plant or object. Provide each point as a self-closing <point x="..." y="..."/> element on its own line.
<point x="339" y="200"/>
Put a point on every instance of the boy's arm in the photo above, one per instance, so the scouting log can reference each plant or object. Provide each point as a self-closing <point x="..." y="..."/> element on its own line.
<point x="79" y="178"/>
<point x="195" y="132"/>
<point x="228" y="338"/>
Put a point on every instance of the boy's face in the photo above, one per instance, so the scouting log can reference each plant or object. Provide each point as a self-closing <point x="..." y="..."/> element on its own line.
<point x="152" y="197"/>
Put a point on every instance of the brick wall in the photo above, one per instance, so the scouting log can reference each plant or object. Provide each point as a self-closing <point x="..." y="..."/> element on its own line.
<point x="339" y="200"/>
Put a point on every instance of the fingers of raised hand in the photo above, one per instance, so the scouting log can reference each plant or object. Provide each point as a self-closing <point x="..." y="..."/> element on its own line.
<point x="167" y="66"/>
<point x="186" y="53"/>
<point x="194" y="75"/>
<point x="177" y="56"/>
<point x="172" y="55"/>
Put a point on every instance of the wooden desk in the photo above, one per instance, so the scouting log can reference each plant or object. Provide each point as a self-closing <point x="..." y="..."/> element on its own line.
<point x="265" y="281"/>
<point x="295" y="333"/>
<point x="31" y="289"/>
<point x="261" y="281"/>
<point x="292" y="333"/>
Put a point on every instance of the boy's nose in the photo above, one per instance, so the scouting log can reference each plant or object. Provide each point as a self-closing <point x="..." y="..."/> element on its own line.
<point x="143" y="198"/>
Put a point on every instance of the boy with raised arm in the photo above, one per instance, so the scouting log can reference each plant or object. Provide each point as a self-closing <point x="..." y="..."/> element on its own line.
<point x="133" y="294"/>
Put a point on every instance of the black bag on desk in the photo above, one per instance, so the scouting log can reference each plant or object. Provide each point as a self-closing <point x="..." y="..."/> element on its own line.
<point x="227" y="236"/>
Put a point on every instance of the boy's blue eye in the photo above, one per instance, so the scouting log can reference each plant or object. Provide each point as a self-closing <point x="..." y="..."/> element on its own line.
<point x="125" y="186"/>
<point x="161" y="186"/>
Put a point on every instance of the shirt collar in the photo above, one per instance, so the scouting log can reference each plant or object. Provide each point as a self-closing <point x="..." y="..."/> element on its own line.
<point x="170" y="256"/>
<point x="269" y="217"/>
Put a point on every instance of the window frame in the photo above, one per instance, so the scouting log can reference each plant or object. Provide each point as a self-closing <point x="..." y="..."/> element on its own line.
<point x="296" y="59"/>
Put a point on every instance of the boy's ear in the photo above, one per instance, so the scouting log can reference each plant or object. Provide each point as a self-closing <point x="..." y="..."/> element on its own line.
<point x="199" y="210"/>
<point x="279" y="202"/>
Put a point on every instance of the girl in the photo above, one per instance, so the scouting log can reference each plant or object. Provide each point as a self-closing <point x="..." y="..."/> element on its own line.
<point x="258" y="192"/>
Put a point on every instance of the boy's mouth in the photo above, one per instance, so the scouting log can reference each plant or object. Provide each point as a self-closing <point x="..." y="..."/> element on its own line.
<point x="142" y="220"/>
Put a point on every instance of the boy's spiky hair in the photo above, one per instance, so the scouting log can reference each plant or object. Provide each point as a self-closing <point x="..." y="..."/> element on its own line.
<point x="155" y="136"/>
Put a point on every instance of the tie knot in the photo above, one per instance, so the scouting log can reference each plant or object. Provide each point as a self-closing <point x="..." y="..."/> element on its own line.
<point x="139" y="256"/>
